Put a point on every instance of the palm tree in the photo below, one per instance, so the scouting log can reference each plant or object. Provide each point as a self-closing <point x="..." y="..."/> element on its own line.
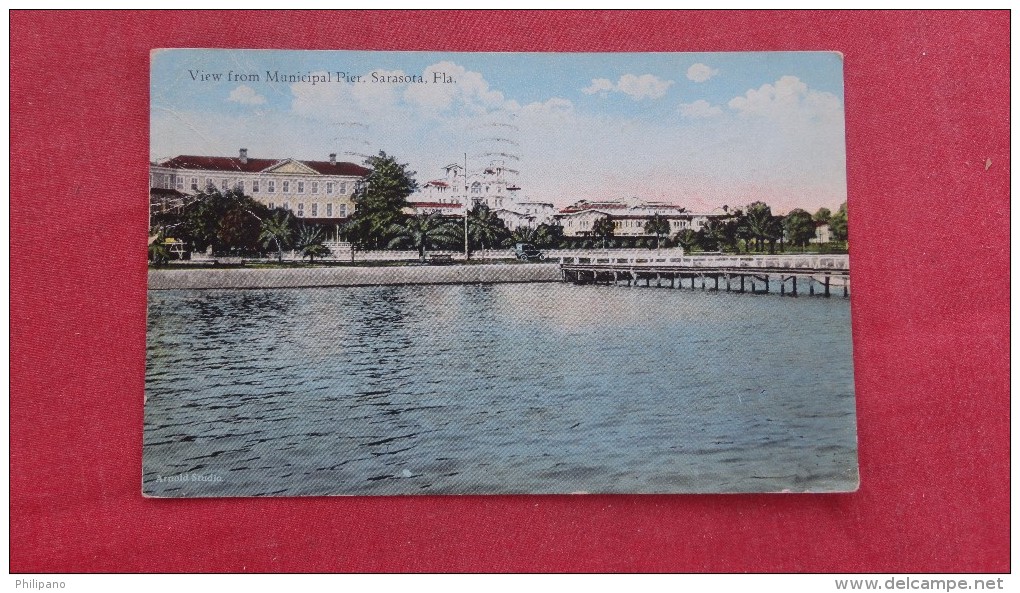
<point x="658" y="226"/>
<point x="423" y="232"/>
<point x="838" y="223"/>
<point x="776" y="233"/>
<point x="759" y="223"/>
<point x="485" y="229"/>
<point x="158" y="253"/>
<point x="277" y="230"/>
<point x="525" y="234"/>
<point x="310" y="242"/>
<point x="687" y="239"/>
<point x="799" y="226"/>
<point x="603" y="227"/>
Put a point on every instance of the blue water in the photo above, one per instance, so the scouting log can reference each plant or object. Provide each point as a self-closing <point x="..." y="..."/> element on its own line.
<point x="506" y="388"/>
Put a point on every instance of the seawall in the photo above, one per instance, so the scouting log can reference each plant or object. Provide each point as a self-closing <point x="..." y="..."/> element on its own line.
<point x="195" y="278"/>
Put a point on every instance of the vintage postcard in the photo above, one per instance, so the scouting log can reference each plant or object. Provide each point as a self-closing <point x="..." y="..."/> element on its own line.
<point x="391" y="273"/>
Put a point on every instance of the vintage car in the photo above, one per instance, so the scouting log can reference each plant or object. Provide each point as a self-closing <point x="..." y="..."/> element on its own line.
<point x="527" y="252"/>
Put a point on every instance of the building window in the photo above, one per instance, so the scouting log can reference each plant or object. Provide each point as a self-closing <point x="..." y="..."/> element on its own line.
<point x="315" y="209"/>
<point x="194" y="183"/>
<point x="286" y="186"/>
<point x="343" y="210"/>
<point x="329" y="188"/>
<point x="343" y="187"/>
<point x="223" y="185"/>
<point x="286" y="205"/>
<point x="239" y="186"/>
<point x="255" y="187"/>
<point x="300" y="207"/>
<point x="180" y="182"/>
<point x="208" y="182"/>
<point x="315" y="187"/>
<point x="300" y="187"/>
<point x="329" y="209"/>
<point x="272" y="187"/>
<point x="476" y="188"/>
<point x="271" y="206"/>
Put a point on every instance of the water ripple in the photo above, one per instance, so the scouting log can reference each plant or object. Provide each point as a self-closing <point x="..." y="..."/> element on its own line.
<point x="495" y="388"/>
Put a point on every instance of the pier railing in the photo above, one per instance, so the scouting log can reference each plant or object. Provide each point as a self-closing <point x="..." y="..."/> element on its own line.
<point x="758" y="273"/>
<point x="715" y="262"/>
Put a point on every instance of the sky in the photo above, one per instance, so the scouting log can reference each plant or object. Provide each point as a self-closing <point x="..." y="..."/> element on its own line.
<point x="700" y="130"/>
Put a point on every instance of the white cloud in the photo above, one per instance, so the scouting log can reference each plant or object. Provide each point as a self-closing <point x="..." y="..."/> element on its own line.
<point x="246" y="95"/>
<point x="470" y="90"/>
<point x="640" y="87"/>
<point x="377" y="95"/>
<point x="700" y="72"/>
<point x="599" y="85"/>
<point x="645" y="86"/>
<point x="788" y="98"/>
<point x="699" y="109"/>
<point x="554" y="106"/>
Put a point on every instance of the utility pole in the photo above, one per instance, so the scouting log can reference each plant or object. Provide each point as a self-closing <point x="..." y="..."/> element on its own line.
<point x="466" y="199"/>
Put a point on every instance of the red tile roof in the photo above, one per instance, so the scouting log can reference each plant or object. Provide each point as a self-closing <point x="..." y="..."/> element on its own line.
<point x="320" y="219"/>
<point x="222" y="163"/>
<point x="686" y="216"/>
<point x="581" y="206"/>
<point x="166" y="193"/>
<point x="433" y="205"/>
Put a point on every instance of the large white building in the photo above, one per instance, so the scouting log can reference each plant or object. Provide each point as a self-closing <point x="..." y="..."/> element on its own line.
<point x="629" y="217"/>
<point x="317" y="192"/>
<point x="489" y="186"/>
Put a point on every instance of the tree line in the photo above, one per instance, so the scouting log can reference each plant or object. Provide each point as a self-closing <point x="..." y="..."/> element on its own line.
<point x="232" y="223"/>
<point x="753" y="229"/>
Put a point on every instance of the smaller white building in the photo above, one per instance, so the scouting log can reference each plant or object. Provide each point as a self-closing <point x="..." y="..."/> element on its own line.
<point x="515" y="220"/>
<point x="823" y="233"/>
<point x="629" y="217"/>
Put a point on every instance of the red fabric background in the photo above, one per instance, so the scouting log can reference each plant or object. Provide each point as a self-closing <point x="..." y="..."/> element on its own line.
<point x="927" y="97"/>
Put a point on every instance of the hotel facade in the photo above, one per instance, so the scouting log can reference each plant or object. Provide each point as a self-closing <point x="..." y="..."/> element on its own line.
<point x="316" y="192"/>
<point x="489" y="186"/>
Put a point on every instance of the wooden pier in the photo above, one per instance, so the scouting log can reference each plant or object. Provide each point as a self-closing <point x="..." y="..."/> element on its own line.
<point x="790" y="275"/>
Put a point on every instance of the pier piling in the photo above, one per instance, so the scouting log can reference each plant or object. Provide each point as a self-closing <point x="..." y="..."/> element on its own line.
<point x="722" y="269"/>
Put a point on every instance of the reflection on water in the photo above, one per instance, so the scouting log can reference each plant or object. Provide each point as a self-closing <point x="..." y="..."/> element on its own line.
<point x="528" y="388"/>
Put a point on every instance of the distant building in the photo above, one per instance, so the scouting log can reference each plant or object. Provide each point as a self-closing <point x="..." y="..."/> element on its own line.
<point x="823" y="233"/>
<point x="490" y="186"/>
<point x="317" y="192"/>
<point x="514" y="219"/>
<point x="629" y="217"/>
<point x="445" y="208"/>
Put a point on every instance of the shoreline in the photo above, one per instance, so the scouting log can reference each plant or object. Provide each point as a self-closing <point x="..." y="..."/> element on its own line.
<point x="348" y="276"/>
